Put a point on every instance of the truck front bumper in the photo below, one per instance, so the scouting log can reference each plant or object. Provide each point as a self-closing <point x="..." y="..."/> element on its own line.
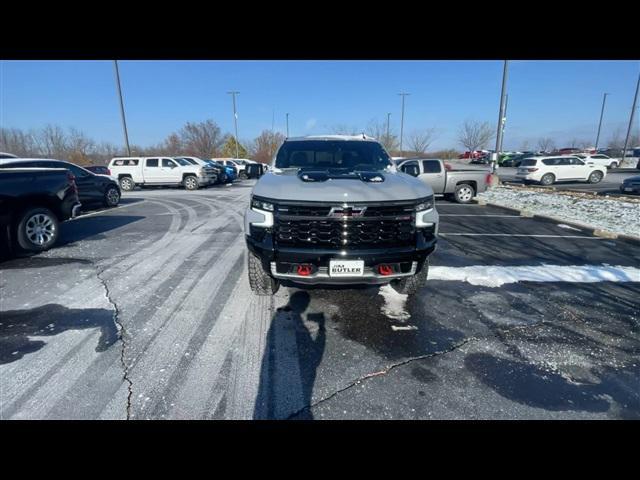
<point x="280" y="262"/>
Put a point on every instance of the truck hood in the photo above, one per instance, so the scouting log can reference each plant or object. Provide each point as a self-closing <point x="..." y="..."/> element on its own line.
<point x="288" y="186"/>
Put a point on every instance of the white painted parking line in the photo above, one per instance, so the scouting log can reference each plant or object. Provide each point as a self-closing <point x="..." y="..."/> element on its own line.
<point x="516" y="235"/>
<point x="495" y="276"/>
<point x="107" y="210"/>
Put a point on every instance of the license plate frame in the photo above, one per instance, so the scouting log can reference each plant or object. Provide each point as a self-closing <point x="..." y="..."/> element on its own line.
<point x="350" y="268"/>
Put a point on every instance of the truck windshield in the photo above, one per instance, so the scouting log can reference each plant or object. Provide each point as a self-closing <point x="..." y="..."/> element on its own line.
<point x="328" y="154"/>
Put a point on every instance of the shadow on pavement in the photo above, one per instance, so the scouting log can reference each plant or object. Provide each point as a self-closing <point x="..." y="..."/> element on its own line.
<point x="16" y="326"/>
<point x="530" y="385"/>
<point x="288" y="373"/>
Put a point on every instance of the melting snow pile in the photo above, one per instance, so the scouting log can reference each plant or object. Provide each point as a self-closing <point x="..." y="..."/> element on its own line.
<point x="494" y="276"/>
<point x="394" y="303"/>
<point x="619" y="215"/>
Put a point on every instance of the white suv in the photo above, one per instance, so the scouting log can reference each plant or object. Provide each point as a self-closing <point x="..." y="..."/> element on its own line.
<point x="601" y="160"/>
<point x="548" y="170"/>
<point x="132" y="171"/>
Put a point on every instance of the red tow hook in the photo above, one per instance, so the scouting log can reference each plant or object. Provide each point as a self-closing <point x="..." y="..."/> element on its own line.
<point x="304" y="270"/>
<point x="385" y="269"/>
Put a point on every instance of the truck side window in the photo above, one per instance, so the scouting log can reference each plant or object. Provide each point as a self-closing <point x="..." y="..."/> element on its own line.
<point x="431" y="166"/>
<point x="152" y="162"/>
<point x="168" y="163"/>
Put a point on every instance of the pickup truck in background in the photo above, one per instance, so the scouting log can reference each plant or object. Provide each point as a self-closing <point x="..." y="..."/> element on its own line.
<point x="461" y="185"/>
<point x="33" y="202"/>
<point x="133" y="171"/>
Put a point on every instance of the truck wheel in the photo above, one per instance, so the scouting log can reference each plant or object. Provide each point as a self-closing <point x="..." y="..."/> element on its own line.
<point x="595" y="177"/>
<point x="190" y="182"/>
<point x="126" y="184"/>
<point x="243" y="175"/>
<point x="37" y="229"/>
<point x="111" y="197"/>
<point x="410" y="285"/>
<point x="613" y="165"/>
<point x="547" y="179"/>
<point x="464" y="193"/>
<point x="260" y="282"/>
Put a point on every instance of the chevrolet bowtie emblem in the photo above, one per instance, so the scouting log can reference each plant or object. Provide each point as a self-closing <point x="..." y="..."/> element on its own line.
<point x="347" y="212"/>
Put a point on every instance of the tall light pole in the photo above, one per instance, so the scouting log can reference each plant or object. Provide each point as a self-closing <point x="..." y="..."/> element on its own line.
<point x="501" y="117"/>
<point x="124" y="121"/>
<point x="287" y="125"/>
<point x="402" y="94"/>
<point x="388" y="134"/>
<point x="504" y="119"/>
<point x="633" y="111"/>
<point x="604" y="99"/>
<point x="235" y="119"/>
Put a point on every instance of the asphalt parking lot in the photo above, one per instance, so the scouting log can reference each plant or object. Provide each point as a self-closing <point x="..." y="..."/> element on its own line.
<point x="145" y="312"/>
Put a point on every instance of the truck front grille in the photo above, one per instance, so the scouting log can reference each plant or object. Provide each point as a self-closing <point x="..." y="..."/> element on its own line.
<point x="380" y="226"/>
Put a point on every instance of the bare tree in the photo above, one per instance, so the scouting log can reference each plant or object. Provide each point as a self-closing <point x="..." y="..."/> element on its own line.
<point x="51" y="142"/>
<point x="342" y="129"/>
<point x="524" y="146"/>
<point x="616" y="140"/>
<point x="378" y="130"/>
<point x="545" y="144"/>
<point x="420" y="140"/>
<point x="474" y="135"/>
<point x="17" y="142"/>
<point x="202" y="139"/>
<point x="264" y="147"/>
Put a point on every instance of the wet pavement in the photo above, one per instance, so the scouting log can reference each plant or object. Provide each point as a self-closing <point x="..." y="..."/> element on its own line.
<point x="144" y="311"/>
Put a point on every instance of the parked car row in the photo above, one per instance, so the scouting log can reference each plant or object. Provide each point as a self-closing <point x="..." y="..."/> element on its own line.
<point x="93" y="188"/>
<point x="186" y="171"/>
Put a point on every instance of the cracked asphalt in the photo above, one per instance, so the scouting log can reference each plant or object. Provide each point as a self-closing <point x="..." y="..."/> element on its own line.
<point x="144" y="312"/>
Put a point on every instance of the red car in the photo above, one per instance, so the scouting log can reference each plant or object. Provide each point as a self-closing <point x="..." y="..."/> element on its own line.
<point x="474" y="154"/>
<point x="569" y="151"/>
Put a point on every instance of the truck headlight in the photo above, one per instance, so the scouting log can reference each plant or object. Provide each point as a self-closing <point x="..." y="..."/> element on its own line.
<point x="424" y="216"/>
<point x="261" y="205"/>
<point x="425" y="205"/>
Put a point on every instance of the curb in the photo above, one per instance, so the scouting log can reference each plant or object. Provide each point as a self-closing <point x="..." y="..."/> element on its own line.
<point x="597" y="232"/>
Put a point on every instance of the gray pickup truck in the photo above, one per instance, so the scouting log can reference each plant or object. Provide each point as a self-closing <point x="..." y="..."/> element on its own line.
<point x="335" y="210"/>
<point x="461" y="185"/>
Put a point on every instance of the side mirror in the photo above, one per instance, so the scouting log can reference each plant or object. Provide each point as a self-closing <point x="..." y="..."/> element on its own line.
<point x="255" y="170"/>
<point x="411" y="169"/>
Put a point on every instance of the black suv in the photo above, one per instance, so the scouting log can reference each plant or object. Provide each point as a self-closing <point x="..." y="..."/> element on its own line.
<point x="92" y="188"/>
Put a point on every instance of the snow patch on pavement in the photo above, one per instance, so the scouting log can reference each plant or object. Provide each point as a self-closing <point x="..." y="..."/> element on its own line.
<point x="394" y="304"/>
<point x="490" y="276"/>
<point x="568" y="227"/>
<point x="615" y="215"/>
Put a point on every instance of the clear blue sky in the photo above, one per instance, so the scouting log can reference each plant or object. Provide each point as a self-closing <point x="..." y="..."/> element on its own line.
<point x="560" y="99"/>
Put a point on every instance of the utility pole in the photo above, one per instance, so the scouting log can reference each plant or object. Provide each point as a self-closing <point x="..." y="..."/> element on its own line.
<point x="124" y="121"/>
<point x="402" y="94"/>
<point x="235" y="119"/>
<point x="287" y="125"/>
<point x="633" y="111"/>
<point x="604" y="99"/>
<point x="504" y="119"/>
<point x="501" y="117"/>
<point x="388" y="134"/>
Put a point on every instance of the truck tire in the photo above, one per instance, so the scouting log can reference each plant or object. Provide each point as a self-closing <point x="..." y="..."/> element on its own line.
<point x="261" y="282"/>
<point x="464" y="193"/>
<point x="111" y="197"/>
<point x="126" y="184"/>
<point x="243" y="175"/>
<point x="410" y="285"/>
<point x="37" y="229"/>
<point x="190" y="182"/>
<point x="613" y="165"/>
